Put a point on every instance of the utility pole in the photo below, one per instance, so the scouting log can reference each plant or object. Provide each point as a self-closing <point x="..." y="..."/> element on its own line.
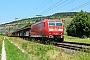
<point x="16" y="23"/>
<point x="9" y="27"/>
<point x="5" y="29"/>
<point x="0" y="31"/>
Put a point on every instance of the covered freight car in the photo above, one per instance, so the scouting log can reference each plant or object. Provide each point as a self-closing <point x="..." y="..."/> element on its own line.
<point x="24" y="32"/>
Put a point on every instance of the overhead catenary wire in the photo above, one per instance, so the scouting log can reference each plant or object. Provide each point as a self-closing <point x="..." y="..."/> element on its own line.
<point x="38" y="6"/>
<point x="80" y="6"/>
<point x="63" y="5"/>
<point x="49" y="10"/>
<point x="41" y="4"/>
<point x="52" y="6"/>
<point x="83" y="5"/>
<point x="60" y="2"/>
<point x="46" y="4"/>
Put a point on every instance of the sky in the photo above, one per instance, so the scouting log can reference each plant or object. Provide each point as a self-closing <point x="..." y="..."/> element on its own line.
<point x="11" y="9"/>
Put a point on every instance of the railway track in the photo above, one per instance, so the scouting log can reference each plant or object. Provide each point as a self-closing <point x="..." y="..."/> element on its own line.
<point x="74" y="46"/>
<point x="70" y="45"/>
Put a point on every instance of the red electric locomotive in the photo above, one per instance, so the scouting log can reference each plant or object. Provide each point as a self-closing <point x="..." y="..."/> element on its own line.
<point x="48" y="28"/>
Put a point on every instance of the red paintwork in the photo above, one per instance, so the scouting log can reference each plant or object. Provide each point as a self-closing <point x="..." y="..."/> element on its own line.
<point x="40" y="29"/>
<point x="9" y="35"/>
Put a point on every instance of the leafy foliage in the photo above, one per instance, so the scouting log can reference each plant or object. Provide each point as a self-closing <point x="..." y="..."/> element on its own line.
<point x="80" y="25"/>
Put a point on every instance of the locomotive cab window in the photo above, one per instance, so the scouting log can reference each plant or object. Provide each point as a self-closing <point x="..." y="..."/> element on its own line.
<point x="51" y="23"/>
<point x="58" y="24"/>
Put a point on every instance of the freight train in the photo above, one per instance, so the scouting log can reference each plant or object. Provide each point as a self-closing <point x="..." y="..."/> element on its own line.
<point x="52" y="29"/>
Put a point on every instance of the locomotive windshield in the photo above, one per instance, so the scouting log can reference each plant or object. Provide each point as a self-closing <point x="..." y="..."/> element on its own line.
<point x="58" y="24"/>
<point x="52" y="23"/>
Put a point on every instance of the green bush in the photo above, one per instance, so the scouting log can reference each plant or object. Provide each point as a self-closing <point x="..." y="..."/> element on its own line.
<point x="80" y="25"/>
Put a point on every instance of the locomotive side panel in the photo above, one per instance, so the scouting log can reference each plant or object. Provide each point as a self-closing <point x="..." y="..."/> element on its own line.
<point x="38" y="29"/>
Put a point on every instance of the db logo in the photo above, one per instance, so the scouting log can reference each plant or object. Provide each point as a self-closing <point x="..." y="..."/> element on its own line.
<point x="55" y="29"/>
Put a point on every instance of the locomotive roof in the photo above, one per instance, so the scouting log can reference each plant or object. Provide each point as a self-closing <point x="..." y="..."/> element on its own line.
<point x="55" y="20"/>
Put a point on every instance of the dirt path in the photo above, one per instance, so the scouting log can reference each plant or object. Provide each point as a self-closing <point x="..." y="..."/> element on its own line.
<point x="3" y="52"/>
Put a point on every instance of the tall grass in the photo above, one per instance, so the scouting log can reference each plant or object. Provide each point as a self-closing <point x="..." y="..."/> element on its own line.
<point x="1" y="39"/>
<point x="82" y="56"/>
<point x="39" y="51"/>
<point x="48" y="52"/>
<point x="13" y="53"/>
<point x="76" y="39"/>
<point x="43" y="52"/>
<point x="51" y="52"/>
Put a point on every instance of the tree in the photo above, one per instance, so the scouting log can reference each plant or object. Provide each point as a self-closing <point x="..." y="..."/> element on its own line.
<point x="80" y="25"/>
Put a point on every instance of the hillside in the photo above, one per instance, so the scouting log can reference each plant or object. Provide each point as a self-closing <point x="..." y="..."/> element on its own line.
<point x="15" y="25"/>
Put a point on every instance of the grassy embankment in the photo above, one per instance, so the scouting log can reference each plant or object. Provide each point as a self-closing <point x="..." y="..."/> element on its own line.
<point x="13" y="53"/>
<point x="67" y="20"/>
<point x="74" y="39"/>
<point x="1" y="39"/>
<point x="78" y="40"/>
<point x="47" y="52"/>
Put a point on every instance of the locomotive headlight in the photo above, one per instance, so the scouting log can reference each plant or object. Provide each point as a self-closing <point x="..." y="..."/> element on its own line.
<point x="50" y="32"/>
<point x="60" y="29"/>
<point x="61" y="33"/>
<point x="50" y="29"/>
